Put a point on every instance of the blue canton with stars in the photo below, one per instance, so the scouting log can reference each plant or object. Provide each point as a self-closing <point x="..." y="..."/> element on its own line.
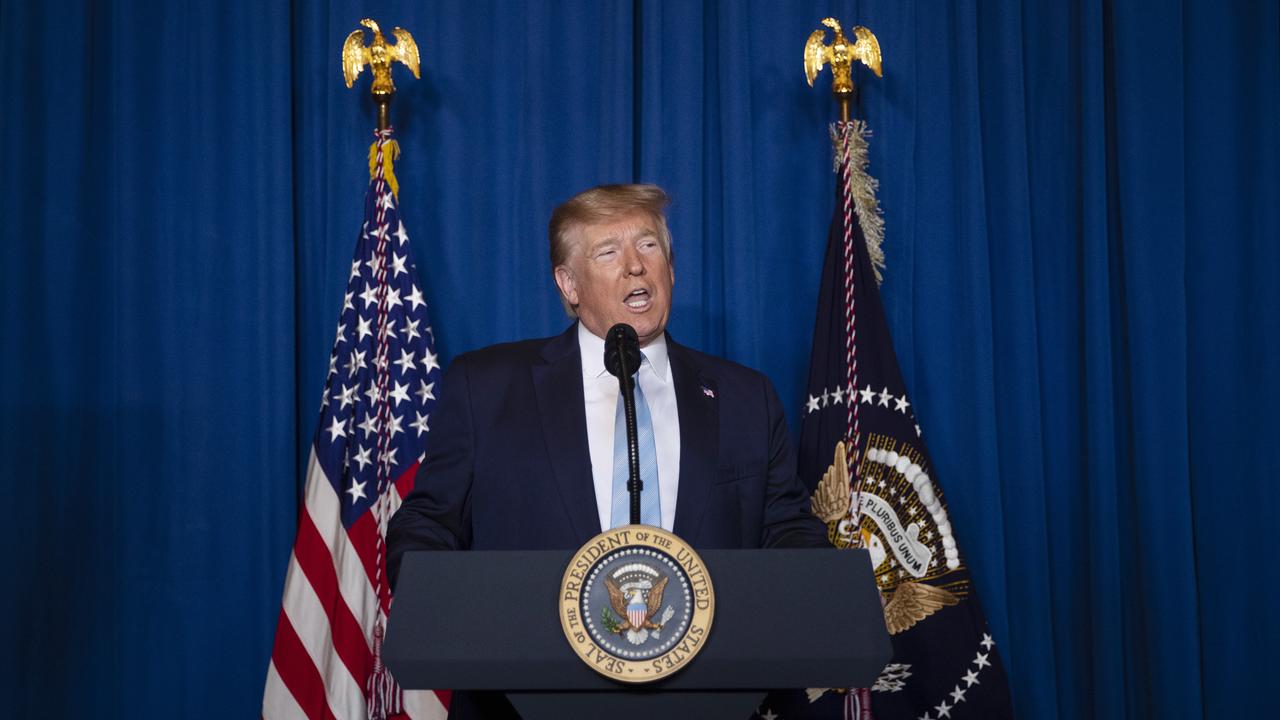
<point x="368" y="393"/>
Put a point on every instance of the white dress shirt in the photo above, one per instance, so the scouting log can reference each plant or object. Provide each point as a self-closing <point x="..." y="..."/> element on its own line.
<point x="600" y="390"/>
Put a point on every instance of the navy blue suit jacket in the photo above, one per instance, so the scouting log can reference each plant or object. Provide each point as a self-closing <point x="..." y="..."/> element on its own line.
<point x="507" y="463"/>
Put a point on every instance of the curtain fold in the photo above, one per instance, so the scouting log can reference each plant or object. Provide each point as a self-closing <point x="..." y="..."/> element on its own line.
<point x="1081" y="238"/>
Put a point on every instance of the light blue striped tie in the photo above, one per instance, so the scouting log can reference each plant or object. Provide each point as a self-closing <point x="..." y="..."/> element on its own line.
<point x="650" y="503"/>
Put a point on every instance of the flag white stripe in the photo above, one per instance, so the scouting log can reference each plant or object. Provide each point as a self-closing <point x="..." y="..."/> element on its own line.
<point x="326" y="512"/>
<point x="393" y="501"/>
<point x="423" y="705"/>
<point x="277" y="701"/>
<point x="307" y="615"/>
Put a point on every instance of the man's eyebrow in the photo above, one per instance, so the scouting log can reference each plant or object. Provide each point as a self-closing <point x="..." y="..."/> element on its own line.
<point x="610" y="240"/>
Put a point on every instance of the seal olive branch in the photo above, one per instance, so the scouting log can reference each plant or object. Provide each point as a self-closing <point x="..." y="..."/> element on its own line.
<point x="609" y="621"/>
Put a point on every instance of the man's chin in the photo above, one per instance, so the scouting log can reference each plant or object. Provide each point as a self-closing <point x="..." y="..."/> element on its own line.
<point x="647" y="327"/>
<point x="648" y="332"/>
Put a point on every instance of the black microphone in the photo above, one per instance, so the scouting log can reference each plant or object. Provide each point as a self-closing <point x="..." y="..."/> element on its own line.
<point x="621" y="345"/>
<point x="622" y="359"/>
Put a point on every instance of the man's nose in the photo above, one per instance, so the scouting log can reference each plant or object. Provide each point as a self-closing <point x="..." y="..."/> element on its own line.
<point x="632" y="261"/>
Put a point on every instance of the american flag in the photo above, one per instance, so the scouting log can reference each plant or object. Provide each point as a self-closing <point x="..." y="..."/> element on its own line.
<point x="378" y="396"/>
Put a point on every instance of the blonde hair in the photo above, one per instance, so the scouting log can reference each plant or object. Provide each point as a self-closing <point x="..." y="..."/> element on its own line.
<point x="602" y="204"/>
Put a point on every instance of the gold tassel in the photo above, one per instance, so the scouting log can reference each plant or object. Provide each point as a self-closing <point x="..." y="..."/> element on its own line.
<point x="388" y="162"/>
<point x="862" y="188"/>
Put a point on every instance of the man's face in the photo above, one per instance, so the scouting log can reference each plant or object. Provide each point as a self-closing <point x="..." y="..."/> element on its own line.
<point x="618" y="272"/>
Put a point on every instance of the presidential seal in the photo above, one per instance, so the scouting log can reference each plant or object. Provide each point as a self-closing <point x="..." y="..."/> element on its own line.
<point x="636" y="603"/>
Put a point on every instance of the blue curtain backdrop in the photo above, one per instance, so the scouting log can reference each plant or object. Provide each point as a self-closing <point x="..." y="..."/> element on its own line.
<point x="1082" y="238"/>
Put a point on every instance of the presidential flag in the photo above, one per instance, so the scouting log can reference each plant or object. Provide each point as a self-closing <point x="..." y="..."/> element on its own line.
<point x="863" y="455"/>
<point x="378" y="397"/>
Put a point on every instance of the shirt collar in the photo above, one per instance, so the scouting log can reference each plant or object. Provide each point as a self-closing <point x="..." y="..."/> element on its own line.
<point x="592" y="349"/>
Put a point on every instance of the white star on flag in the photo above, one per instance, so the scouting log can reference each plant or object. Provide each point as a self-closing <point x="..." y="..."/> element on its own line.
<point x="393" y="425"/>
<point x="336" y="430"/>
<point x="393" y="298"/>
<point x="363" y="328"/>
<point x="356" y="491"/>
<point x="425" y="392"/>
<point x="397" y="265"/>
<point x="347" y="396"/>
<point x="400" y="393"/>
<point x="411" y="329"/>
<point x="362" y="457"/>
<point x="406" y="361"/>
<point x="420" y="424"/>
<point x="415" y="297"/>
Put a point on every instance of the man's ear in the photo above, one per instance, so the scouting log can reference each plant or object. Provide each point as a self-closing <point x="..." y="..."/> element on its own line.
<point x="568" y="286"/>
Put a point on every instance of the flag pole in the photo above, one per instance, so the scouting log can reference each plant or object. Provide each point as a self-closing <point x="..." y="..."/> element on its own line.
<point x="844" y="98"/>
<point x="842" y="493"/>
<point x="383" y="101"/>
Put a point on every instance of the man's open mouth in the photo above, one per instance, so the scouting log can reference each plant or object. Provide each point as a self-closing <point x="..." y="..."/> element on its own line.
<point x="637" y="299"/>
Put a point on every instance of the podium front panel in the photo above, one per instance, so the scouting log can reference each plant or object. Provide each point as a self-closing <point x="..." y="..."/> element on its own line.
<point x="489" y="621"/>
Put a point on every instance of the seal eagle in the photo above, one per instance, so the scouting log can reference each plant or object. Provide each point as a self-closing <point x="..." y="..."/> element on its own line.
<point x="620" y="599"/>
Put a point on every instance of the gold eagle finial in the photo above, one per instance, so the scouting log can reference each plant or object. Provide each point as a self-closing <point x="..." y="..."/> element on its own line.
<point x="378" y="55"/>
<point x="840" y="55"/>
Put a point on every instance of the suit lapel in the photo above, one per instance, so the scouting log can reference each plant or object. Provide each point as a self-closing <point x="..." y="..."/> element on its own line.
<point x="557" y="383"/>
<point x="699" y="439"/>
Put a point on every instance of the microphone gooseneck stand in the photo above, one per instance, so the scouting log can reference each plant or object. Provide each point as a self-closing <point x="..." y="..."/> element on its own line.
<point x="622" y="359"/>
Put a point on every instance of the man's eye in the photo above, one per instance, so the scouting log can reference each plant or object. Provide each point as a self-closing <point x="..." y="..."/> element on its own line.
<point x="604" y="254"/>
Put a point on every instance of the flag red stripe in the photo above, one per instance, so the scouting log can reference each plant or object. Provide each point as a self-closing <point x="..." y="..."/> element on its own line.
<point x="364" y="535"/>
<point x="364" y="540"/>
<point x="298" y="672"/>
<point x="349" y="640"/>
<point x="404" y="485"/>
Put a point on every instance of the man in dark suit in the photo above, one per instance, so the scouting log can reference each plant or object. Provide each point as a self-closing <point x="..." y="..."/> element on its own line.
<point x="525" y="445"/>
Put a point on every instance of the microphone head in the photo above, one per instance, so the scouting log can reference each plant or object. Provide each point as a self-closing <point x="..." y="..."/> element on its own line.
<point x="621" y="350"/>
